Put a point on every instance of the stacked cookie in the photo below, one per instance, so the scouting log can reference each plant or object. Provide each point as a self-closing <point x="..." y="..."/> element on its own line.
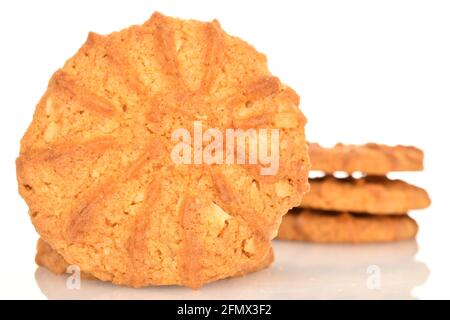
<point x="371" y="208"/>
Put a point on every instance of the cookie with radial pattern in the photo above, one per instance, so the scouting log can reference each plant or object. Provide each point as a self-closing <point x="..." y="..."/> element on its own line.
<point x="95" y="164"/>
<point x="370" y="158"/>
<point x="374" y="195"/>
<point x="342" y="227"/>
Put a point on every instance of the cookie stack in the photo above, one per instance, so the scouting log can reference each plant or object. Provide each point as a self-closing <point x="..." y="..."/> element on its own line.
<point x="371" y="208"/>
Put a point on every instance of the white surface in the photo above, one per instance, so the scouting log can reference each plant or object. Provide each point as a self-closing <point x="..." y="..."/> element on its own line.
<point x="366" y="71"/>
<point x="301" y="271"/>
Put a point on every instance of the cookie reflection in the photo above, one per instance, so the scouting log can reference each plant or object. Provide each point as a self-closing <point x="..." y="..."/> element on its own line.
<point x="301" y="271"/>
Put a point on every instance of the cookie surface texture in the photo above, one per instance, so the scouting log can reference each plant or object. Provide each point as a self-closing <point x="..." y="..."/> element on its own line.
<point x="52" y="260"/>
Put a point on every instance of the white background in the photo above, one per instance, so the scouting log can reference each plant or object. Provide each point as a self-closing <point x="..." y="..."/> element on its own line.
<point x="366" y="71"/>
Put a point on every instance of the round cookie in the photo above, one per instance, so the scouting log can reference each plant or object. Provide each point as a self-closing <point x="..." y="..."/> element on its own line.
<point x="96" y="166"/>
<point x="371" y="158"/>
<point x="375" y="195"/>
<point x="338" y="227"/>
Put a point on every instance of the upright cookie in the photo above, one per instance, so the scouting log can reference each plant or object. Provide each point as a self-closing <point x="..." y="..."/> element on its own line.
<point x="97" y="168"/>
<point x="371" y="158"/>
<point x="375" y="195"/>
<point x="336" y="227"/>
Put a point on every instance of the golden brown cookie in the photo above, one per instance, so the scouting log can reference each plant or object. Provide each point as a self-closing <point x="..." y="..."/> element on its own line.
<point x="371" y="158"/>
<point x="96" y="168"/>
<point x="375" y="195"/>
<point x="336" y="227"/>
